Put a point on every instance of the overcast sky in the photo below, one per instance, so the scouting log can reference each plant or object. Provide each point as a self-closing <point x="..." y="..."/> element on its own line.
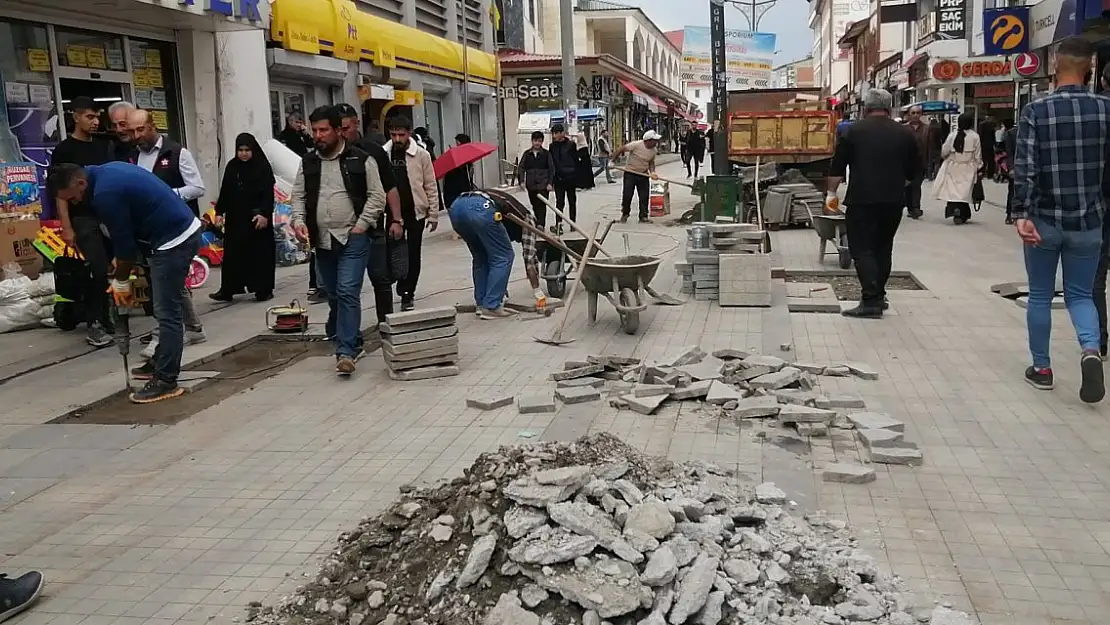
<point x="787" y="19"/>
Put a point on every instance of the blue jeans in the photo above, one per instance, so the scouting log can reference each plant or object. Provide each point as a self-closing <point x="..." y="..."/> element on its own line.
<point x="604" y="162"/>
<point x="168" y="269"/>
<point x="342" y="269"/>
<point x="490" y="247"/>
<point x="1078" y="253"/>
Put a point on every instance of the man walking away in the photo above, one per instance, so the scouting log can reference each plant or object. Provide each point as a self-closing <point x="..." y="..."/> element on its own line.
<point x="383" y="287"/>
<point x="921" y="135"/>
<point x="140" y="211"/>
<point x="844" y="124"/>
<point x="604" y="150"/>
<point x="1099" y="292"/>
<point x="695" y="144"/>
<point x="986" y="137"/>
<point x="419" y="193"/>
<point x="564" y="153"/>
<point x="882" y="155"/>
<point x="176" y="167"/>
<point x="536" y="173"/>
<point x="337" y="199"/>
<point x="639" y="172"/>
<point x="1009" y="140"/>
<point x="79" y="226"/>
<point x="294" y="137"/>
<point x="1059" y="209"/>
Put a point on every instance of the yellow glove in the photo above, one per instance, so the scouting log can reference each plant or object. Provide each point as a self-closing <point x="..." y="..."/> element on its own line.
<point x="121" y="293"/>
<point x="832" y="204"/>
<point x="541" y="300"/>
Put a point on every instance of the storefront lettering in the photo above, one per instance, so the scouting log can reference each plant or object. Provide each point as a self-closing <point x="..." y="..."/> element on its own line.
<point x="542" y="90"/>
<point x="994" y="91"/>
<point x="950" y="19"/>
<point x="246" y="9"/>
<point x="948" y="69"/>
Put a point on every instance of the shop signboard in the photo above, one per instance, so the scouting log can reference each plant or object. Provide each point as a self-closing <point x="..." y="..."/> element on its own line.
<point x="951" y="22"/>
<point x="971" y="69"/>
<point x="747" y="55"/>
<point x="1051" y="21"/>
<point x="249" y="10"/>
<point x="1027" y="65"/>
<point x="533" y="88"/>
<point x="926" y="29"/>
<point x="1007" y="31"/>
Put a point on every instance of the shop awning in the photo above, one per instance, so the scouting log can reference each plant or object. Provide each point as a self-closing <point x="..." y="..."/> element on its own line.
<point x="639" y="97"/>
<point x="584" y="115"/>
<point x="853" y="33"/>
<point x="920" y="56"/>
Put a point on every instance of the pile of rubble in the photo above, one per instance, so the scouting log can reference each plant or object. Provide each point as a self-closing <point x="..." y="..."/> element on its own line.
<point x="593" y="532"/>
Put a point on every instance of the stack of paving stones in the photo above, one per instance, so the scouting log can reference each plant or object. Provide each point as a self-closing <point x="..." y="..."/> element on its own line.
<point x="421" y="344"/>
<point x="701" y="269"/>
<point x="590" y="532"/>
<point x="791" y="203"/>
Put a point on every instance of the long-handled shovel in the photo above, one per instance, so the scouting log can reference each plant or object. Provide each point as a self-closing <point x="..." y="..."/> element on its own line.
<point x="657" y="177"/>
<point x="556" y="337"/>
<point x="573" y="226"/>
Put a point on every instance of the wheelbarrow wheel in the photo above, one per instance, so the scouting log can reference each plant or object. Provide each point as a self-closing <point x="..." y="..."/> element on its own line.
<point x="630" y="321"/>
<point x="844" y="254"/>
<point x="556" y="287"/>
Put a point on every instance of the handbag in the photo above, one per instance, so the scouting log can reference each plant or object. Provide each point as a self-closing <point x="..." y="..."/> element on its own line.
<point x="977" y="195"/>
<point x="389" y="259"/>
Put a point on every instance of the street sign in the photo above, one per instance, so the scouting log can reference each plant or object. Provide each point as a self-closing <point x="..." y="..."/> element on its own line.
<point x="1026" y="64"/>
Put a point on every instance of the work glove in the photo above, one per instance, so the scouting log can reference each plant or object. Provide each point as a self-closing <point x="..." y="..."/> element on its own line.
<point x="832" y="204"/>
<point x="541" y="300"/>
<point x="121" y="293"/>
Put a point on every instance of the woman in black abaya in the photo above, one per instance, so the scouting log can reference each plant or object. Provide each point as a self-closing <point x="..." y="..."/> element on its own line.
<point x="246" y="207"/>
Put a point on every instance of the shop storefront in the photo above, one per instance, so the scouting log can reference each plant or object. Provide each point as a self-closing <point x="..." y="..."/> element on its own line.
<point x="51" y="55"/>
<point x="955" y="80"/>
<point x="328" y="51"/>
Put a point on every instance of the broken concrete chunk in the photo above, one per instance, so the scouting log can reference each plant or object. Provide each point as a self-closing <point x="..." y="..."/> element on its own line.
<point x="694" y="589"/>
<point x="547" y="546"/>
<point x="535" y="404"/>
<point x="773" y="363"/>
<point x="795" y="396"/>
<point x="875" y="421"/>
<point x="896" y="455"/>
<point x="768" y="493"/>
<point x="837" y="371"/>
<point x="793" y="413"/>
<point x="808" y="367"/>
<point x="489" y="402"/>
<point x="944" y="616"/>
<point x="529" y="492"/>
<point x="652" y="390"/>
<point x="520" y="520"/>
<point x="848" y="473"/>
<point x="707" y="370"/>
<point x="580" y="382"/>
<point x="575" y="364"/>
<point x="694" y="391"/>
<point x="577" y="395"/>
<point x="477" y="561"/>
<point x="721" y="393"/>
<point x="651" y="518"/>
<point x="613" y="362"/>
<point x="576" y="476"/>
<point x="880" y="438"/>
<point x="730" y="354"/>
<point x="812" y="429"/>
<point x="589" y="520"/>
<point x="862" y="371"/>
<point x="840" y="401"/>
<point x="532" y="595"/>
<point x="661" y="568"/>
<point x="688" y="356"/>
<point x="579" y="372"/>
<point x="509" y="611"/>
<point x="756" y="407"/>
<point x="778" y="379"/>
<point x="643" y="405"/>
<point x="742" y="571"/>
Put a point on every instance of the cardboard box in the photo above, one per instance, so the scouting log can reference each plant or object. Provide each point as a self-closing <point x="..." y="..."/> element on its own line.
<point x="17" y="238"/>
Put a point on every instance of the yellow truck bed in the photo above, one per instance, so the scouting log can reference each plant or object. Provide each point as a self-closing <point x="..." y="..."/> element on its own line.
<point x="793" y="136"/>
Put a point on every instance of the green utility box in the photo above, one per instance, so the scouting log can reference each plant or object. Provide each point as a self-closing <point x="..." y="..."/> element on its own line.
<point x="721" y="198"/>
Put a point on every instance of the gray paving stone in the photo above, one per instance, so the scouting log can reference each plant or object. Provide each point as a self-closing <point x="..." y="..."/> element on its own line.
<point x="417" y="326"/>
<point x="794" y="413"/>
<point x="577" y="395"/>
<point x="756" y="407"/>
<point x="730" y="354"/>
<point x="643" y="405"/>
<point x="575" y="364"/>
<point x="651" y="390"/>
<point x="872" y="439"/>
<point x="807" y="305"/>
<point x="398" y="320"/>
<point x="420" y="335"/>
<point x="796" y="396"/>
<point x="580" y="372"/>
<point x="837" y="371"/>
<point x="778" y="379"/>
<point x="842" y="473"/>
<point x="721" y="393"/>
<point x="774" y="363"/>
<point x="688" y="356"/>
<point x="535" y="404"/>
<point x="896" y="455"/>
<point x="420" y="346"/>
<point x="863" y="371"/>
<point x="79" y="436"/>
<point x="705" y="370"/>
<point x="808" y="367"/>
<point x="409" y="357"/>
<point x="876" y="421"/>
<point x="840" y="401"/>
<point x="424" y="373"/>
<point x="447" y="358"/>
<point x="580" y="383"/>
<point x="613" y="362"/>
<point x="694" y="390"/>
<point x="490" y="402"/>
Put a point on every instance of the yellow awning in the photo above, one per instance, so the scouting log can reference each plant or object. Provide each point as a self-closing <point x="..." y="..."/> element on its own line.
<point x="339" y="28"/>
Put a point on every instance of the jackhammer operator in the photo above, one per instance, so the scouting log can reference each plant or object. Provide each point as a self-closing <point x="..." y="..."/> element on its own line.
<point x="141" y="213"/>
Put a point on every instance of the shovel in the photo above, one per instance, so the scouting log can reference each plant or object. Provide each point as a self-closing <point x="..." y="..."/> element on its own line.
<point x="556" y="337"/>
<point x="657" y="177"/>
<point x="573" y="226"/>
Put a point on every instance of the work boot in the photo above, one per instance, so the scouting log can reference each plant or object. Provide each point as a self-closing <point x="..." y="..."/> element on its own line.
<point x="317" y="296"/>
<point x="864" y="312"/>
<point x="195" y="336"/>
<point x="97" y="336"/>
<point x="624" y="219"/>
<point x="156" y="390"/>
<point x="645" y="220"/>
<point x="16" y="595"/>
<point x="344" y="366"/>
<point x="144" y="371"/>
<point x="407" y="303"/>
<point x="1093" y="387"/>
<point x="220" y="296"/>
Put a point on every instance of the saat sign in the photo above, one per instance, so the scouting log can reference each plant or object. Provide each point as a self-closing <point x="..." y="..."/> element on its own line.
<point x="526" y="91"/>
<point x="948" y="70"/>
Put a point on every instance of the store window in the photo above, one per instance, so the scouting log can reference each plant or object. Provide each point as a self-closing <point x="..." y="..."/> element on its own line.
<point x="29" y="126"/>
<point x="285" y="101"/>
<point x="155" y="78"/>
<point x="433" y="121"/>
<point x="88" y="50"/>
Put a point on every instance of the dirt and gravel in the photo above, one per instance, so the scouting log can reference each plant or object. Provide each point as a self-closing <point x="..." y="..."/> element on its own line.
<point x="594" y="532"/>
<point x="847" y="287"/>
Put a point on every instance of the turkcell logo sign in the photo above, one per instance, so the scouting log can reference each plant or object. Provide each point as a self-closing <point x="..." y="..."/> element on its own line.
<point x="1007" y="31"/>
<point x="245" y="9"/>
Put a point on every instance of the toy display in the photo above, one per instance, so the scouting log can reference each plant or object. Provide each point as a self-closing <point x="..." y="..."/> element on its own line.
<point x="19" y="189"/>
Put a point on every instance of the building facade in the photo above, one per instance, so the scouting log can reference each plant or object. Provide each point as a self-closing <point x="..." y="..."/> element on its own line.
<point x="796" y="74"/>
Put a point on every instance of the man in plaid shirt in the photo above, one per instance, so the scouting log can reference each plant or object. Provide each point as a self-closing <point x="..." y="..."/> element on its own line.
<point x="1059" y="206"/>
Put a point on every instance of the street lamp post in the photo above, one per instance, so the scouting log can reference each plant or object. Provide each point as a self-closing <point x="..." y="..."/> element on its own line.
<point x="570" y="87"/>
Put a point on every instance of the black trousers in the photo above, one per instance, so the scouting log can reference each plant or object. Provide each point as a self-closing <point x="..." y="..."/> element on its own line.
<point x="1099" y="291"/>
<point x="871" y="229"/>
<point x="1010" y="207"/>
<point x="566" y="199"/>
<point x="539" y="208"/>
<point x="312" y="283"/>
<point x="414" y="234"/>
<point x="913" y="194"/>
<point x="641" y="186"/>
<point x="96" y="248"/>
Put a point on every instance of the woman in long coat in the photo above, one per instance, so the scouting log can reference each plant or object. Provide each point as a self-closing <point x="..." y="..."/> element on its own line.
<point x="246" y="207"/>
<point x="963" y="161"/>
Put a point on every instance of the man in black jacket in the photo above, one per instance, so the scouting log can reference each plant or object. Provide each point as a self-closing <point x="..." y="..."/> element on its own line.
<point x="293" y="136"/>
<point x="564" y="154"/>
<point x="882" y="155"/>
<point x="536" y="173"/>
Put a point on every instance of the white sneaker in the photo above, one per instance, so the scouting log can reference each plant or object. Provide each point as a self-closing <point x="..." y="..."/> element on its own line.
<point x="193" y="337"/>
<point x="148" y="351"/>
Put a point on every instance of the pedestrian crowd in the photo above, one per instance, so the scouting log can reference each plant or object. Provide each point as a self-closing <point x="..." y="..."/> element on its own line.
<point x="1055" y="163"/>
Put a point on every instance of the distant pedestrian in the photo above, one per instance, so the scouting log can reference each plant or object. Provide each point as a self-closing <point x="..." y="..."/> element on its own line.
<point x="420" y="199"/>
<point x="961" y="170"/>
<point x="536" y="173"/>
<point x="639" y="172"/>
<point x="844" y="124"/>
<point x="920" y="134"/>
<point x="1103" y="257"/>
<point x="460" y="179"/>
<point x="883" y="158"/>
<point x="294" y="136"/>
<point x="246" y="209"/>
<point x="564" y="153"/>
<point x="1059" y="210"/>
<point x="935" y="139"/>
<point x="604" y="151"/>
<point x="1009" y="140"/>
<point x="695" y="144"/>
<point x="987" y="131"/>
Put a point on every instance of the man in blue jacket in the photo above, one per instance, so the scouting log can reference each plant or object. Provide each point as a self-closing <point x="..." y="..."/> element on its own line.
<point x="141" y="214"/>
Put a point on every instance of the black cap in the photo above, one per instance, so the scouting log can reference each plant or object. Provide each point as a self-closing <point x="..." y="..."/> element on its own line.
<point x="83" y="103"/>
<point x="346" y="110"/>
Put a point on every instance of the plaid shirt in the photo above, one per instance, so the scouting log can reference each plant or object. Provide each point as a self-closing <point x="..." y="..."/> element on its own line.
<point x="1059" y="168"/>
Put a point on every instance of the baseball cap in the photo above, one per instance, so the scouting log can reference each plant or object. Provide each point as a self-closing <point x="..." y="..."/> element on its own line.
<point x="651" y="135"/>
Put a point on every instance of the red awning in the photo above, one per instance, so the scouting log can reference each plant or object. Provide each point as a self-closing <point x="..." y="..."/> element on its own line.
<point x="914" y="59"/>
<point x="640" y="97"/>
<point x="662" y="106"/>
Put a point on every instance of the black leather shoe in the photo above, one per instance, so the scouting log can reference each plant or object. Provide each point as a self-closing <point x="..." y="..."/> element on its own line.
<point x="864" y="312"/>
<point x="16" y="595"/>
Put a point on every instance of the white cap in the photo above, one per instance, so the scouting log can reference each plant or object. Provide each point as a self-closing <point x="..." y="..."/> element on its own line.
<point x="651" y="135"/>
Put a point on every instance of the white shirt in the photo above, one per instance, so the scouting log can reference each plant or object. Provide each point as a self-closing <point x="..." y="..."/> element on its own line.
<point x="193" y="189"/>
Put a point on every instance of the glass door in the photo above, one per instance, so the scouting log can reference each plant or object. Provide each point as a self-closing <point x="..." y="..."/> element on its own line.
<point x="103" y="94"/>
<point x="286" y="101"/>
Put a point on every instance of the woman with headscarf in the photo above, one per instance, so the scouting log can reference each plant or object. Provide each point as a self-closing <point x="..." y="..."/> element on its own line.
<point x="961" y="169"/>
<point x="246" y="208"/>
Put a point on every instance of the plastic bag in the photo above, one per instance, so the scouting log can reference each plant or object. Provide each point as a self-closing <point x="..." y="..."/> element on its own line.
<point x="43" y="286"/>
<point x="14" y="290"/>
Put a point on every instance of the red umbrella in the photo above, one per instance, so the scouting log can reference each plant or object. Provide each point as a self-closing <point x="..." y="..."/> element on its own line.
<point x="460" y="155"/>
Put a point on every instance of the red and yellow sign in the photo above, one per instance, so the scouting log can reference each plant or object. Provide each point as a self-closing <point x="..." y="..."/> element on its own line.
<point x="948" y="70"/>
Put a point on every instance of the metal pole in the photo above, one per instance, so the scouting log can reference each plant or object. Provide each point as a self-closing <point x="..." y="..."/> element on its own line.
<point x="720" y="86"/>
<point x="466" y="82"/>
<point x="566" y="30"/>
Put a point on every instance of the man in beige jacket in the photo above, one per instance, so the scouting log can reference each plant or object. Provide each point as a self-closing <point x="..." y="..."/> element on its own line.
<point x="416" y="184"/>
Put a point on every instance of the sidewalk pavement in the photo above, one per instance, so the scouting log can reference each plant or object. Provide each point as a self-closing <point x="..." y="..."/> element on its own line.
<point x="187" y="524"/>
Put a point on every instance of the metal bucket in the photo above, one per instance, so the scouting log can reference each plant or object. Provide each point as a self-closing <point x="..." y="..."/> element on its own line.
<point x="697" y="237"/>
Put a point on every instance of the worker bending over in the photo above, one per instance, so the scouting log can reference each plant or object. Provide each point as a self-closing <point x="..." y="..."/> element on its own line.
<point x="141" y="214"/>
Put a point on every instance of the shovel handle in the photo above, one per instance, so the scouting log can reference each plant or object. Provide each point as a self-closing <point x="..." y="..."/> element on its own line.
<point x="657" y="177"/>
